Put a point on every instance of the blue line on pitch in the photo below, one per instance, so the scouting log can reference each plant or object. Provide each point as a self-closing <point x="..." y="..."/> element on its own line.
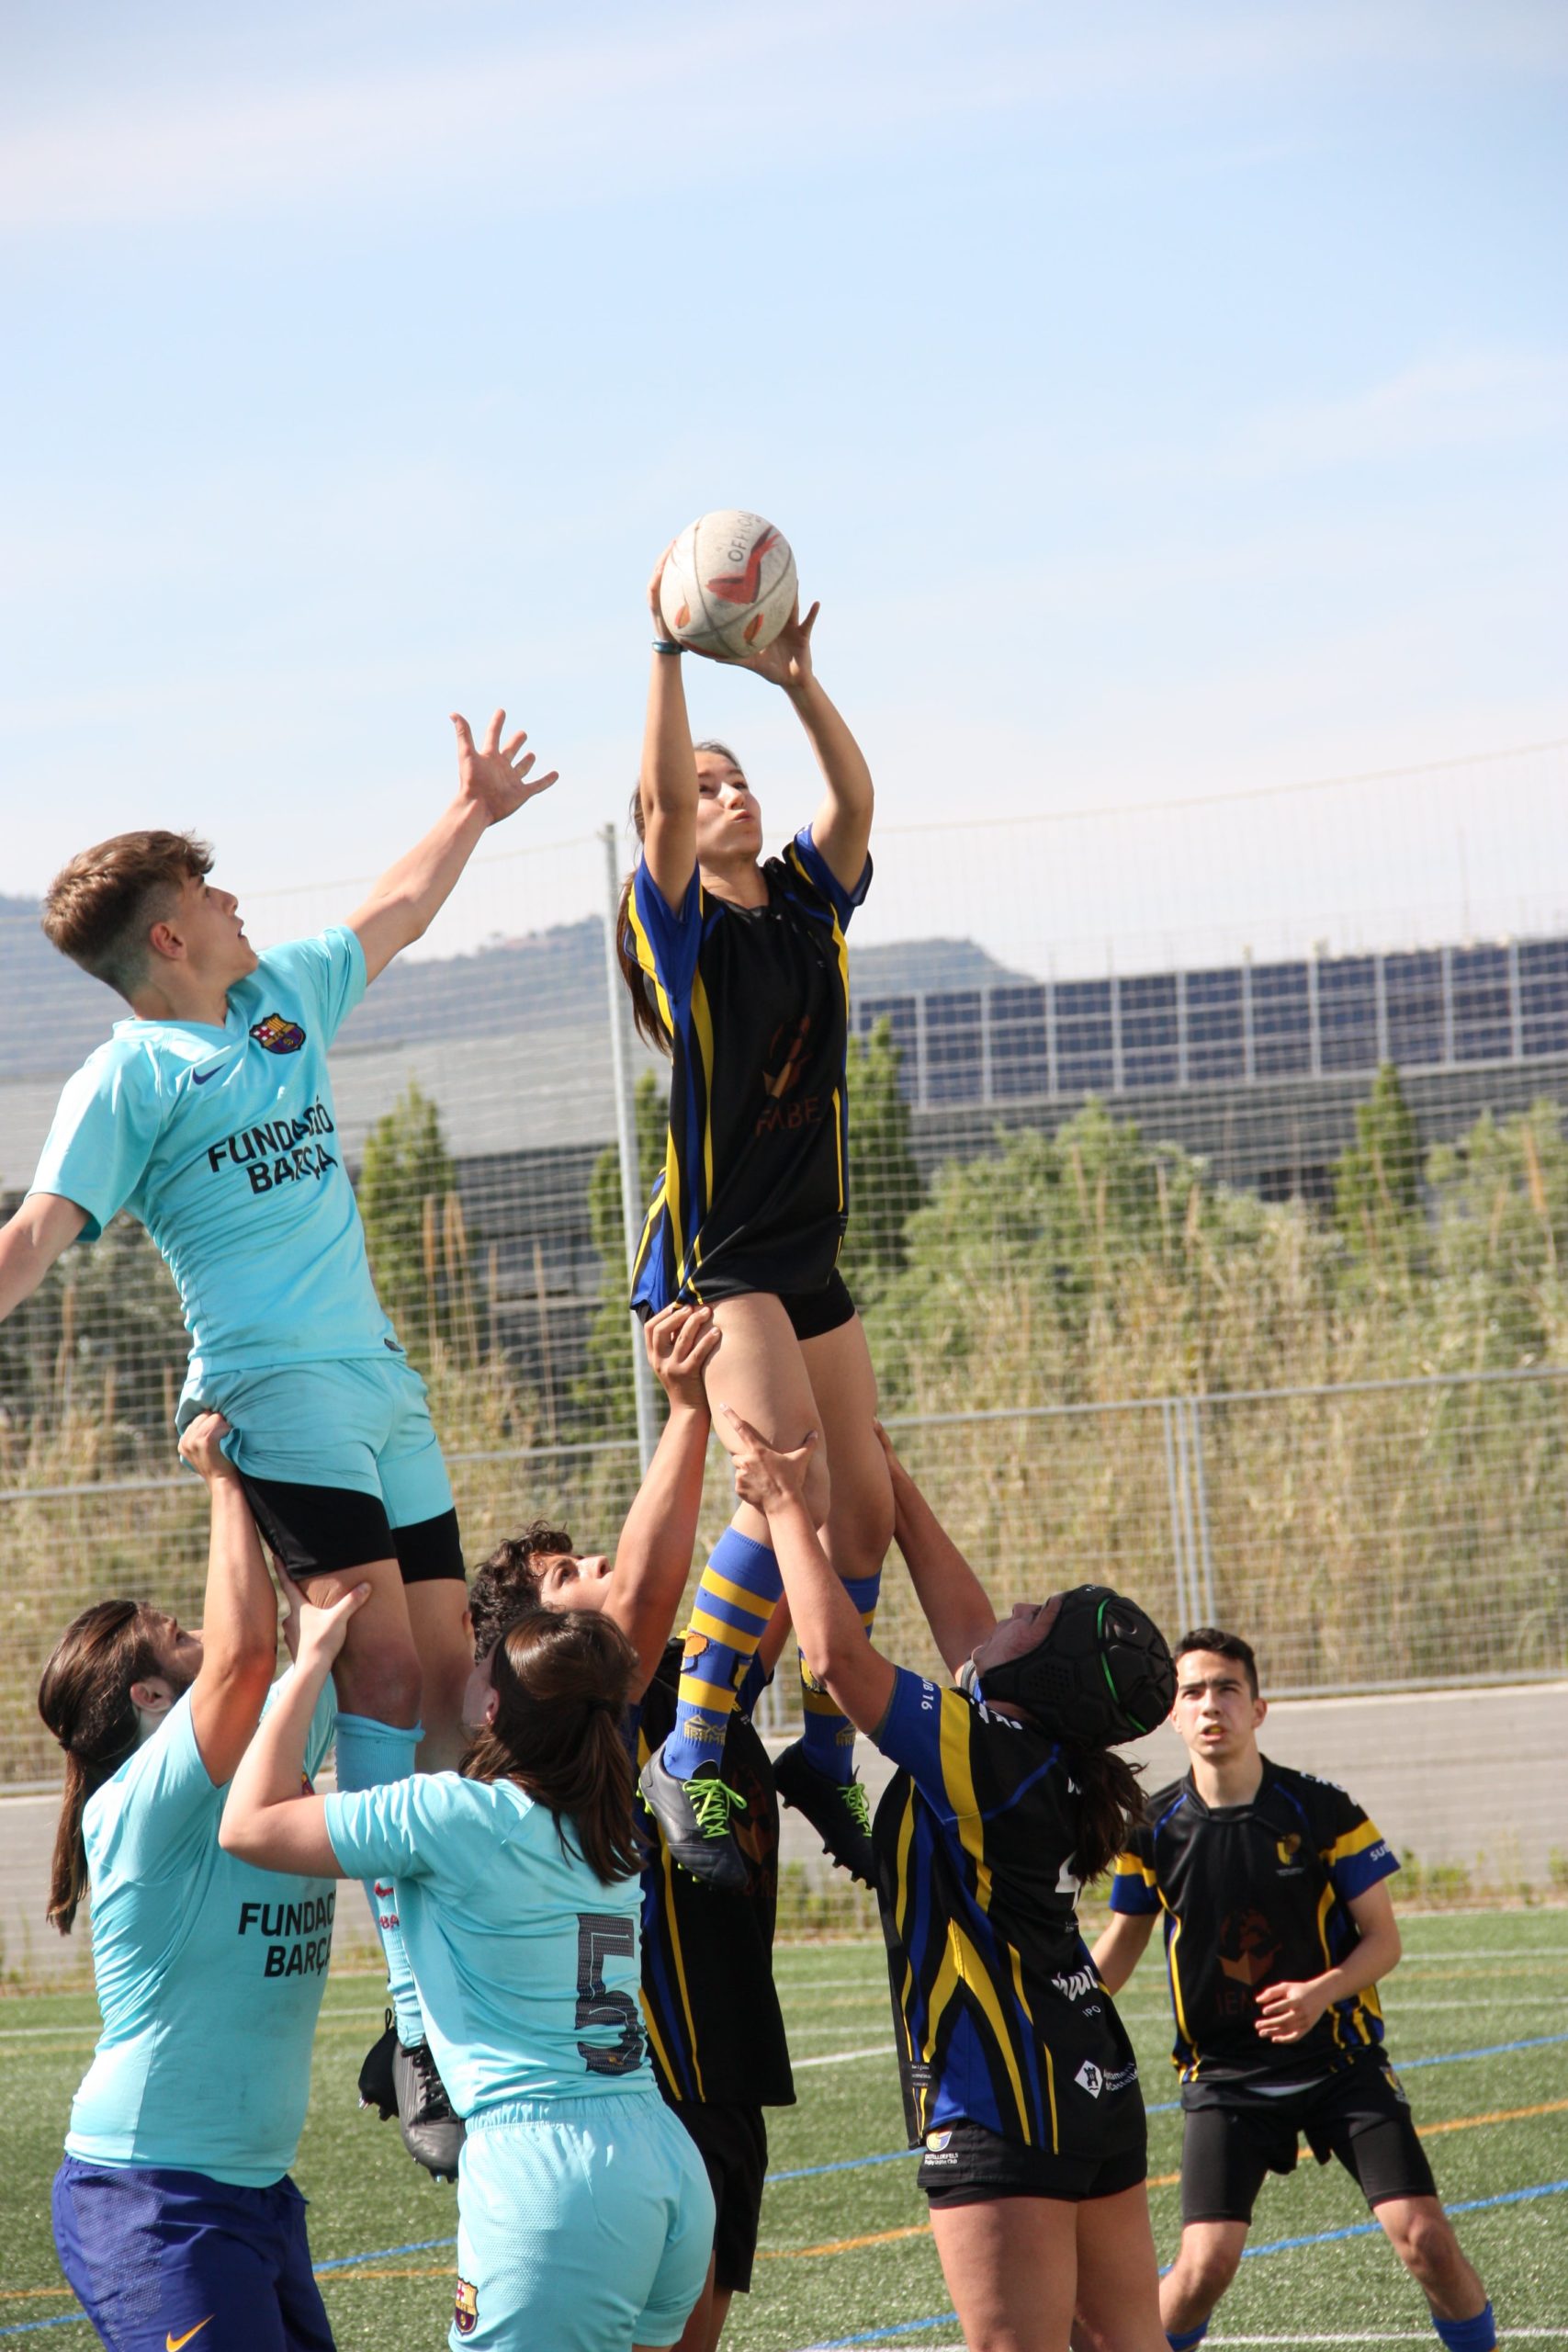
<point x="1168" y="2106"/>
<point x="1277" y="2245"/>
<point x="1374" y="2229"/>
<point x="856" y="2164"/>
<point x="382" y="2254"/>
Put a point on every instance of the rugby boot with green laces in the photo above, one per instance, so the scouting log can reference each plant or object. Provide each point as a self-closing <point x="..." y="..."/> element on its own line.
<point x="840" y="1811"/>
<point x="694" y="1819"/>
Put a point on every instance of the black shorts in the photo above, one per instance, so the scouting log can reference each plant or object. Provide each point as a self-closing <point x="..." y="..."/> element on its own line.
<point x="325" y="1531"/>
<point x="1360" y="2116"/>
<point x="732" y="2141"/>
<point x="812" y="1313"/>
<point x="967" y="2164"/>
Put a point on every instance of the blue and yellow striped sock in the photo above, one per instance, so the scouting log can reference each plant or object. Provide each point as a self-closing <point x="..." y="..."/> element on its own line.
<point x="829" y="1736"/>
<point x="735" y="1599"/>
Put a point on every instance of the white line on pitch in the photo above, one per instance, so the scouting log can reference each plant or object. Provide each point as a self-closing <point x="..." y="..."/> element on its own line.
<point x="843" y="2057"/>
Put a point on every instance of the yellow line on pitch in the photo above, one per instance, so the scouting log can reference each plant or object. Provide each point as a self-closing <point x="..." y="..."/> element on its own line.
<point x="1499" y="2115"/>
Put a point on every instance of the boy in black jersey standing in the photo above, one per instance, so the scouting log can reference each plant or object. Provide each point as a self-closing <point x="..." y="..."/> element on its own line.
<point x="1278" y="1926"/>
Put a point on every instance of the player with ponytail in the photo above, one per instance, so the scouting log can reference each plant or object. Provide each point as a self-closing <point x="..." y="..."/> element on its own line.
<point x="584" y="2216"/>
<point x="739" y="970"/>
<point x="1020" y="2082"/>
<point x="174" y="2208"/>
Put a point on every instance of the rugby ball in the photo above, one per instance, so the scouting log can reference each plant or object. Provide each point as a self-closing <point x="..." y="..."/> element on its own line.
<point x="728" y="584"/>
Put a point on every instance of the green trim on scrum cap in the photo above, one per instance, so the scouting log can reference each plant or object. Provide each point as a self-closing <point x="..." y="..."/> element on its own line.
<point x="1104" y="1662"/>
<point x="1105" y="1669"/>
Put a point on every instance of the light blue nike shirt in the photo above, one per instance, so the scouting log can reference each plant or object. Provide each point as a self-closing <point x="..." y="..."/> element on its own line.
<point x="209" y="1974"/>
<point x="529" y="1965"/>
<point x="223" y="1144"/>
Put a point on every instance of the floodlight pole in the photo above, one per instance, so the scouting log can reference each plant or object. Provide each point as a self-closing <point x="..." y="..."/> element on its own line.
<point x="625" y="1139"/>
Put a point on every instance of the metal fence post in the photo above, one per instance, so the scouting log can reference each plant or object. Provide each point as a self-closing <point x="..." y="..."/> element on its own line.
<point x="1203" y="1566"/>
<point x="626" y="1142"/>
<point x="1173" y="1486"/>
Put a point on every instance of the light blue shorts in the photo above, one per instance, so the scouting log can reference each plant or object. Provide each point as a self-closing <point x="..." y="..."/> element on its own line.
<point x="583" y="2225"/>
<point x="359" y="1423"/>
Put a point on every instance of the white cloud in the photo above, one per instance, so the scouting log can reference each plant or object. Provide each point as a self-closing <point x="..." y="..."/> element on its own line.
<point x="709" y="100"/>
<point x="1440" y="404"/>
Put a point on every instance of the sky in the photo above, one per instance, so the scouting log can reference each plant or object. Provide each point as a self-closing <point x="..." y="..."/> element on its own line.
<point x="1164" y="401"/>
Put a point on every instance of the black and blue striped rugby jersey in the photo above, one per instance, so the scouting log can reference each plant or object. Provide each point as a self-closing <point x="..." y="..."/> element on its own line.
<point x="754" y="1191"/>
<point x="1000" y="2017"/>
<point x="715" y="2028"/>
<point x="1256" y="1895"/>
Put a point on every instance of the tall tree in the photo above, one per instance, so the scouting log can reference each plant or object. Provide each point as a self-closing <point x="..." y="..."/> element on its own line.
<point x="414" y="1230"/>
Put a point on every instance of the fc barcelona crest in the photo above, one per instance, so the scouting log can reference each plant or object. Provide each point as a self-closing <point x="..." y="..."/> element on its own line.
<point x="279" y="1036"/>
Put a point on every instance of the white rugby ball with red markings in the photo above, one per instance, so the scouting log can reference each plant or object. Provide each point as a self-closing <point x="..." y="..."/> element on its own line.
<point x="728" y="584"/>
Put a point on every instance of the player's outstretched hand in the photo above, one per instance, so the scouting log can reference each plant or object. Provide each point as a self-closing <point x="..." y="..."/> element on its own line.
<point x="201" y="1443"/>
<point x="766" y="1477"/>
<point x="682" y="1341"/>
<point x="493" y="776"/>
<point x="322" y="1629"/>
<point x="1286" y="2012"/>
<point x="787" y="660"/>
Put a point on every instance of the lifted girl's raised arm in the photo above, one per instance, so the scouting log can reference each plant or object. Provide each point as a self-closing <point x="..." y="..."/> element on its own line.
<point x="666" y="781"/>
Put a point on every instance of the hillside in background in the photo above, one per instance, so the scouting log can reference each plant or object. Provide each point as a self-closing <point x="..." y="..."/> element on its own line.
<point x="54" y="1015"/>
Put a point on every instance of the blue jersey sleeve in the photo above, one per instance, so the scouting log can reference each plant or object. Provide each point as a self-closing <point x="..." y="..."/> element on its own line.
<point x="926" y="1730"/>
<point x="104" y="1131"/>
<point x="160" y="1810"/>
<point x="1355" y="1854"/>
<point x="667" y="938"/>
<point x="809" y="863"/>
<point x="328" y="972"/>
<point x="1133" y="1887"/>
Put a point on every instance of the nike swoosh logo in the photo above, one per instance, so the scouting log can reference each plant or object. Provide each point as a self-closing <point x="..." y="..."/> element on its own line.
<point x="199" y="1078"/>
<point x="174" y="2342"/>
<point x="382" y="1890"/>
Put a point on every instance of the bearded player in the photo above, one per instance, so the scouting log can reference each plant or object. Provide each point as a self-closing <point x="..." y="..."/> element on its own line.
<point x="1278" y="1926"/>
<point x="208" y="1117"/>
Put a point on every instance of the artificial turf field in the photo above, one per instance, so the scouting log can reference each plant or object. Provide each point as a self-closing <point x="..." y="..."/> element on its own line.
<point x="1478" y="2028"/>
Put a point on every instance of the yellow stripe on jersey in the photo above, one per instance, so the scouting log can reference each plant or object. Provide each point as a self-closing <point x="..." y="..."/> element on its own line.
<point x="672" y="1924"/>
<point x="1325" y="1903"/>
<point x="906" y="1991"/>
<point x="702" y="1021"/>
<point x="1023" y="2005"/>
<point x="721" y="1588"/>
<point x="643" y="949"/>
<point x="970" y="1969"/>
<point x="1051" y="2094"/>
<point x="838" y="1143"/>
<point x="959" y="1782"/>
<point x="1354" y="1841"/>
<point x="1176" y="2002"/>
<point x="659" y="2052"/>
<point x="1129" y="1866"/>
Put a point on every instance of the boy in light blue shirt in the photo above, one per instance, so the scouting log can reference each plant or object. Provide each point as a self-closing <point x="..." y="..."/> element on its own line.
<point x="208" y="1117"/>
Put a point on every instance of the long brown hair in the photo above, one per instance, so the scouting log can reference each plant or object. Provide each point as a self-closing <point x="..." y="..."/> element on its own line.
<point x="644" y="1012"/>
<point x="562" y="1679"/>
<point x="84" y="1695"/>
<point x="1111" y="1804"/>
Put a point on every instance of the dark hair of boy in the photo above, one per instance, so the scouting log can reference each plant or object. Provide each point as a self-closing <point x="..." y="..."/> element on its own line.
<point x="1221" y="1645"/>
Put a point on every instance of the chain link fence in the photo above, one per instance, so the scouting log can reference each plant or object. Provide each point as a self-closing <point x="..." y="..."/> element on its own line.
<point x="1226" y="1261"/>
